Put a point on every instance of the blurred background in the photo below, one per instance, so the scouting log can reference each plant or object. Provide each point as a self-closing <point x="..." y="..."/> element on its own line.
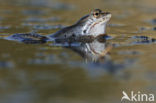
<point x="49" y="74"/>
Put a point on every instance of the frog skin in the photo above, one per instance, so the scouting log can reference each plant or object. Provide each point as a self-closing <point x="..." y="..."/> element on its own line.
<point x="93" y="24"/>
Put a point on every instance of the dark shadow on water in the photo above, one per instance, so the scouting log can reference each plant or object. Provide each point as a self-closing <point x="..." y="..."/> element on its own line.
<point x="6" y="64"/>
<point x="143" y="40"/>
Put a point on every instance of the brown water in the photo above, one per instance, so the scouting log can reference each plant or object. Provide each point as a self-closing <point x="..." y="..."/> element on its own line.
<point x="49" y="74"/>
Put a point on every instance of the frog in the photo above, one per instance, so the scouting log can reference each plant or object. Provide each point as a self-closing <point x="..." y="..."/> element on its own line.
<point x="93" y="24"/>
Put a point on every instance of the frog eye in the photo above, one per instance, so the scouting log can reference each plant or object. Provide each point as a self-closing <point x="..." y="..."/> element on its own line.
<point x="96" y="13"/>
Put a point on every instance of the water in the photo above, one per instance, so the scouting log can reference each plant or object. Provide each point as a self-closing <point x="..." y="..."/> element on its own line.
<point x="48" y="73"/>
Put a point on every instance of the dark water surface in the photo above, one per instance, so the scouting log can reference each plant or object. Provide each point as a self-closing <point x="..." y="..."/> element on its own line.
<point x="48" y="73"/>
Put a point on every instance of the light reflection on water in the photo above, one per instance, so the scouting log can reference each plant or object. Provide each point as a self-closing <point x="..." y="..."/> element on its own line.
<point x="45" y="73"/>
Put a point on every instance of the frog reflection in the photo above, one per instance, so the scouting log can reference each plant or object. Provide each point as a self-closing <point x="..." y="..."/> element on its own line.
<point x="95" y="50"/>
<point x="90" y="48"/>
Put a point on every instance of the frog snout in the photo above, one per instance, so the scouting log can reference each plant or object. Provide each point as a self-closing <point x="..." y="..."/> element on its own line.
<point x="106" y="13"/>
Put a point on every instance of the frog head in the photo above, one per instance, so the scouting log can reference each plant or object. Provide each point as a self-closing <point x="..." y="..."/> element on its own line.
<point x="94" y="23"/>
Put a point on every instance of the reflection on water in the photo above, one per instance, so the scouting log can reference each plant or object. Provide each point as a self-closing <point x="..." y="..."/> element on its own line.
<point x="93" y="51"/>
<point x="97" y="54"/>
<point x="96" y="71"/>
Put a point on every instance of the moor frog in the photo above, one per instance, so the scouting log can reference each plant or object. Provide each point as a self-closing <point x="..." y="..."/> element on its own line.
<point x="93" y="24"/>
